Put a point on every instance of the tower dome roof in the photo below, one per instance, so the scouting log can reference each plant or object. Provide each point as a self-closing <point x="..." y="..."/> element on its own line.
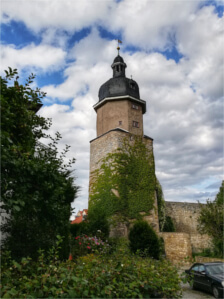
<point x="119" y="85"/>
<point x="118" y="58"/>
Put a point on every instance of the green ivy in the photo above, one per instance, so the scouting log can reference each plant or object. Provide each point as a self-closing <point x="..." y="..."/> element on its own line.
<point x="125" y="183"/>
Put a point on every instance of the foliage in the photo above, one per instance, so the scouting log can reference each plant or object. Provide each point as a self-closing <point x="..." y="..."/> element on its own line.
<point x="161" y="205"/>
<point x="211" y="221"/>
<point x="93" y="276"/>
<point x="37" y="187"/>
<point x="98" y="222"/>
<point x="168" y="225"/>
<point x="82" y="245"/>
<point x="94" y="224"/>
<point x="143" y="239"/>
<point x="125" y="181"/>
<point x="206" y="252"/>
<point x="165" y="222"/>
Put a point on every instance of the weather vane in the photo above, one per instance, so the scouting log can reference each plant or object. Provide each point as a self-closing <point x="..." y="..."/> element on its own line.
<point x="118" y="42"/>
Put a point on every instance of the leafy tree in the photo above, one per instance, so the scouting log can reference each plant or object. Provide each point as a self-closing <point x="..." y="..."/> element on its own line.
<point x="211" y="221"/>
<point x="37" y="187"/>
<point x="125" y="182"/>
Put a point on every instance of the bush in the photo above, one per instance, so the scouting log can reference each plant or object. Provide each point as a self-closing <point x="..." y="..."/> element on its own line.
<point x="144" y="240"/>
<point x="83" y="245"/>
<point x="91" y="276"/>
<point x="78" y="229"/>
<point x="97" y="222"/>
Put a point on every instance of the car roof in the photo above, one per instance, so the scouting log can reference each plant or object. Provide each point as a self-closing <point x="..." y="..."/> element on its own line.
<point x="208" y="264"/>
<point x="213" y="263"/>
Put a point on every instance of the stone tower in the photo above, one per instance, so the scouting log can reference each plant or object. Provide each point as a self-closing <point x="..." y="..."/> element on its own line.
<point x="119" y="115"/>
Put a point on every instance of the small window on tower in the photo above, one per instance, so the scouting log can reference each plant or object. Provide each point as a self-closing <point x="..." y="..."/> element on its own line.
<point x="132" y="85"/>
<point x="135" y="124"/>
<point x="135" y="106"/>
<point x="120" y="122"/>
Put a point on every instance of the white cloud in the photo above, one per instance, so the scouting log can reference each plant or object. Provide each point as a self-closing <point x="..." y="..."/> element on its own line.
<point x="184" y="106"/>
<point x="150" y="24"/>
<point x="40" y="57"/>
<point x="69" y="15"/>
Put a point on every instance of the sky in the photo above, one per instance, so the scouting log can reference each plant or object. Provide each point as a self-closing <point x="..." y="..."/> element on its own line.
<point x="173" y="49"/>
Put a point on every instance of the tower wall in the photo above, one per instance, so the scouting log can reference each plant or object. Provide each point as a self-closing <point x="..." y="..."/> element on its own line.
<point x="122" y="114"/>
<point x="109" y="143"/>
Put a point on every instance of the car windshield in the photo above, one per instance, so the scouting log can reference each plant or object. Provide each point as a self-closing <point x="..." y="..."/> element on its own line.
<point x="215" y="269"/>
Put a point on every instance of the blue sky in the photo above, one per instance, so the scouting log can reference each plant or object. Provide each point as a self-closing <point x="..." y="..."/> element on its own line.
<point x="173" y="49"/>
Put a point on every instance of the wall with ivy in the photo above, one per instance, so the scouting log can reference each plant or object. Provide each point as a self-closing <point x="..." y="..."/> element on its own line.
<point x="125" y="183"/>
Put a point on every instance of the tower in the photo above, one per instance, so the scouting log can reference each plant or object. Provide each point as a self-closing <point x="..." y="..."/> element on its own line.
<point x="119" y="115"/>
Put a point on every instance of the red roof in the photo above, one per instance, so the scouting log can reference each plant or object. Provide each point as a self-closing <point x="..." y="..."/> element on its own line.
<point x="79" y="219"/>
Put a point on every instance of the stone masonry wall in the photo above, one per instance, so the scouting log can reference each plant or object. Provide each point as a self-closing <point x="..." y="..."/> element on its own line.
<point x="200" y="242"/>
<point x="185" y="216"/>
<point x="177" y="246"/>
<point x="108" y="143"/>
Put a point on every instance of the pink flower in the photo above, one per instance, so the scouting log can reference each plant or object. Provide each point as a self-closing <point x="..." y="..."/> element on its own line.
<point x="80" y="243"/>
<point x="88" y="247"/>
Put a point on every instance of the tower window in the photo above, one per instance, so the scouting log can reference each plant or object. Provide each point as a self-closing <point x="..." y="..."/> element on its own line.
<point x="132" y="85"/>
<point x="135" y="124"/>
<point x="135" y="106"/>
<point x="120" y="122"/>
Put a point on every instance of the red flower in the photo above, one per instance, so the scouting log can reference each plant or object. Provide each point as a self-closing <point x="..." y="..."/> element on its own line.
<point x="80" y="243"/>
<point x="88" y="247"/>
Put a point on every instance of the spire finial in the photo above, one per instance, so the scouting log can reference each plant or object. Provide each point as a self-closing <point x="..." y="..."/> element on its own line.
<point x="118" y="48"/>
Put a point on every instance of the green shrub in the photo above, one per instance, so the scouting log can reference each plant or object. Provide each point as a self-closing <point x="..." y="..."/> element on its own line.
<point x="98" y="223"/>
<point x="78" y="229"/>
<point x="91" y="276"/>
<point x="83" y="245"/>
<point x="144" y="240"/>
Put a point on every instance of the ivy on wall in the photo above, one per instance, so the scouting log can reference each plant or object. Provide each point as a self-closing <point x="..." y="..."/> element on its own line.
<point x="125" y="183"/>
<point x="161" y="205"/>
<point x="166" y="223"/>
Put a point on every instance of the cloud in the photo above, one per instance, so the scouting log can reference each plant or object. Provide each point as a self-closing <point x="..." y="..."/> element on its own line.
<point x="41" y="57"/>
<point x="184" y="99"/>
<point x="69" y="15"/>
<point x="150" y="24"/>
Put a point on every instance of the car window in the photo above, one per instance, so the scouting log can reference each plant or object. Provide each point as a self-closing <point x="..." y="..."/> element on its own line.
<point x="201" y="268"/>
<point x="215" y="269"/>
<point x="195" y="268"/>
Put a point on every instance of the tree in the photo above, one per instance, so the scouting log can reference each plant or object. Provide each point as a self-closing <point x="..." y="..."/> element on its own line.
<point x="211" y="221"/>
<point x="125" y="183"/>
<point x="37" y="186"/>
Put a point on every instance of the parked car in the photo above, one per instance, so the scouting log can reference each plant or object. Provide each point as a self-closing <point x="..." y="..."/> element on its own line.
<point x="207" y="277"/>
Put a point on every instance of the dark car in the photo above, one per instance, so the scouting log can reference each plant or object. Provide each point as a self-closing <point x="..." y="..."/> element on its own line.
<point x="207" y="277"/>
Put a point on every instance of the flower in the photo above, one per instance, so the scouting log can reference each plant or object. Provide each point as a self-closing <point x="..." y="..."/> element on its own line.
<point x="88" y="247"/>
<point x="80" y="243"/>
